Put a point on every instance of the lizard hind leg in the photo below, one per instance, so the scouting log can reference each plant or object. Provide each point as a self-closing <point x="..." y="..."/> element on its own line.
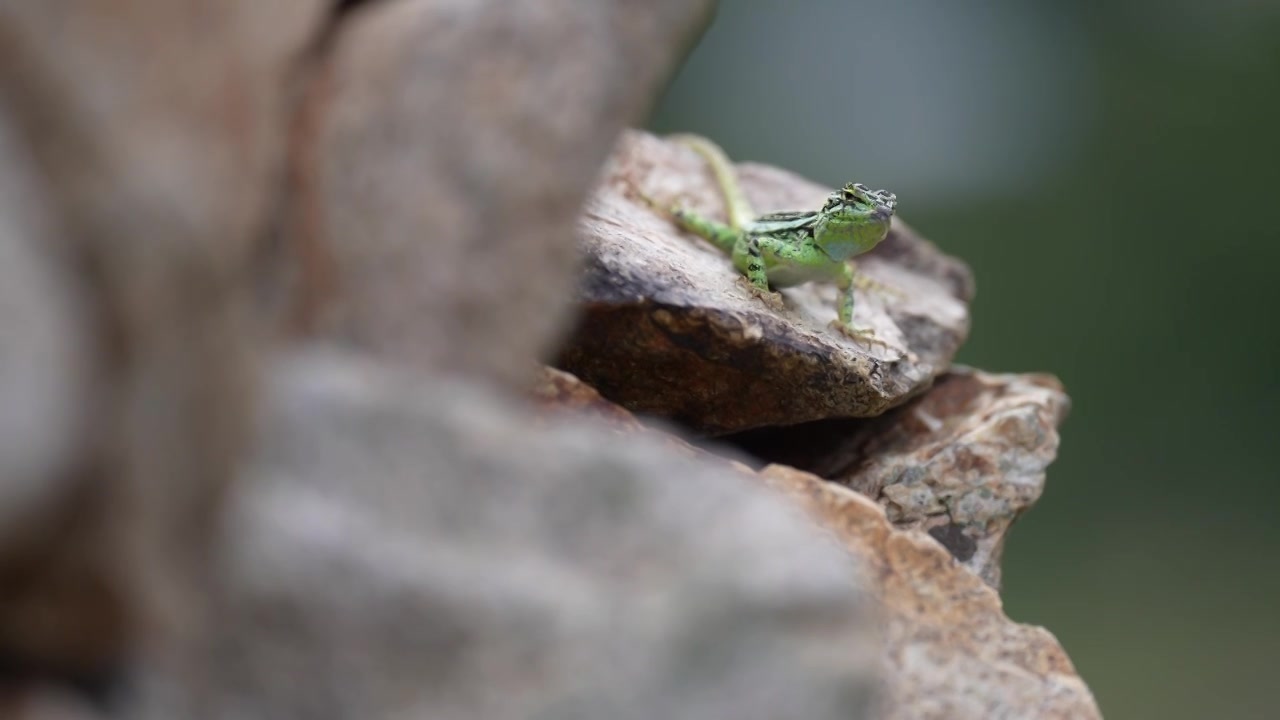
<point x="722" y="236"/>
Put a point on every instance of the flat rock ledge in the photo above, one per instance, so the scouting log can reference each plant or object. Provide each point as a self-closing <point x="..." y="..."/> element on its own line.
<point x="663" y="300"/>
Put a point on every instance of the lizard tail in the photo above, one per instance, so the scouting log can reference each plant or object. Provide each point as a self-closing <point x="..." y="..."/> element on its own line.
<point x="739" y="209"/>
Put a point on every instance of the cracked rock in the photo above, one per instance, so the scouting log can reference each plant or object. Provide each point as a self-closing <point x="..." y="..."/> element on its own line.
<point x="961" y="462"/>
<point x="952" y="653"/>
<point x="714" y="356"/>
<point x="964" y="461"/>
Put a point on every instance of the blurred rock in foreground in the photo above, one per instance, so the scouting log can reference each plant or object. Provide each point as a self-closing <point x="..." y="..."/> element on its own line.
<point x="411" y="549"/>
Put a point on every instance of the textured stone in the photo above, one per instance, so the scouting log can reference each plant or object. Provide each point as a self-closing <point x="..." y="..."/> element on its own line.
<point x="952" y="653"/>
<point x="454" y="143"/>
<point x="715" y="357"/>
<point x="962" y="462"/>
<point x="403" y="550"/>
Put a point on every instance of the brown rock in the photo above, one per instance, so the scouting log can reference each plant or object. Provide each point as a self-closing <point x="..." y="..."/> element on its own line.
<point x="714" y="356"/>
<point x="962" y="462"/>
<point x="952" y="653"/>
<point x="559" y="392"/>
<point x="454" y="146"/>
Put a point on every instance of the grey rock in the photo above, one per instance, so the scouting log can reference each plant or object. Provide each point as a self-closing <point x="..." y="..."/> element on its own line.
<point x="419" y="550"/>
<point x="453" y="145"/>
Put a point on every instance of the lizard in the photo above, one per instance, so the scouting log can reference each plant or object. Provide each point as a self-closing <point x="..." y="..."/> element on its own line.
<point x="784" y="249"/>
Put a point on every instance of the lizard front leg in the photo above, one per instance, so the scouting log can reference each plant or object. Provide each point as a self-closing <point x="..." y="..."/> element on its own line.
<point x="846" y="281"/>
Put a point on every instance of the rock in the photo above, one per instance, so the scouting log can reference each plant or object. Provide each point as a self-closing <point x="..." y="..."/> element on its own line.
<point x="962" y="462"/>
<point x="952" y="653"/>
<point x="150" y="136"/>
<point x="454" y="144"/>
<point x="559" y="393"/>
<point x="714" y="357"/>
<point x="425" y="550"/>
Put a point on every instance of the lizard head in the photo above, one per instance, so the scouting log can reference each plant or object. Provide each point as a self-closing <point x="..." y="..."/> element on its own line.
<point x="854" y="220"/>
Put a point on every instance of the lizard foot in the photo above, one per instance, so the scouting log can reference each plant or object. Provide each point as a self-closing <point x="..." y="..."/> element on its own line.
<point x="863" y="335"/>
<point x="770" y="298"/>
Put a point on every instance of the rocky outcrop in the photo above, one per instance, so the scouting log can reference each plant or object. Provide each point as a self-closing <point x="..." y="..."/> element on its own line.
<point x="274" y="281"/>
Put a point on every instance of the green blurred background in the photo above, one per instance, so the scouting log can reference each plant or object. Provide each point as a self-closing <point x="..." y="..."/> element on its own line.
<point x="1110" y="171"/>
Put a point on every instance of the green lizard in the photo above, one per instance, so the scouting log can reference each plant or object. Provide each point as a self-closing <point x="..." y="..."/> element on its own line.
<point x="790" y="248"/>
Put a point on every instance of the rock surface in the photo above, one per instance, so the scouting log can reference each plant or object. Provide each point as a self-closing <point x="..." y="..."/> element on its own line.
<point x="962" y="462"/>
<point x="407" y="549"/>
<point x="454" y="144"/>
<point x="715" y="357"/>
<point x="952" y="653"/>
